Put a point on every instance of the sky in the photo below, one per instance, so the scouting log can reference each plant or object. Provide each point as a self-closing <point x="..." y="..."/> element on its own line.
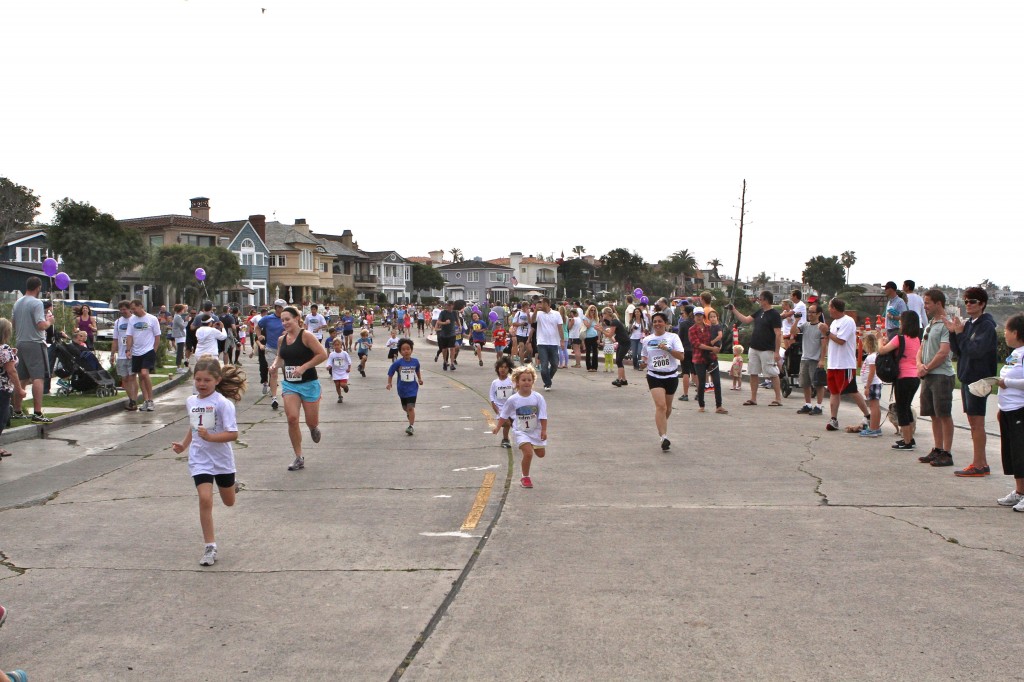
<point x="891" y="129"/>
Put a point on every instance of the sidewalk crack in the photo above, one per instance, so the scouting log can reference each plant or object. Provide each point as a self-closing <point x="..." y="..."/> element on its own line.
<point x="948" y="538"/>
<point x="819" y="481"/>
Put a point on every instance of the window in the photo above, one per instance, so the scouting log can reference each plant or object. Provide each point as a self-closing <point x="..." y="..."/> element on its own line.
<point x="305" y="260"/>
<point x="246" y="258"/>
<point x="156" y="241"/>
<point x="248" y="245"/>
<point x="277" y="261"/>
<point x="444" y="276"/>
<point x="261" y="259"/>
<point x="32" y="254"/>
<point x="323" y="266"/>
<point x="458" y="275"/>
<point x="197" y="240"/>
<point x="408" y="273"/>
<point x="472" y="276"/>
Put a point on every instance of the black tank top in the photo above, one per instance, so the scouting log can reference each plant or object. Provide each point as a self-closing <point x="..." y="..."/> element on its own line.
<point x="295" y="354"/>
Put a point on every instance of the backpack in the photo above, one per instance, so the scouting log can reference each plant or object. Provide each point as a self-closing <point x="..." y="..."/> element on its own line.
<point x="887" y="367"/>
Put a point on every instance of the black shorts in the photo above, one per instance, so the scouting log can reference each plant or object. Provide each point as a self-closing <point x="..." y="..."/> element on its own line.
<point x="688" y="362"/>
<point x="669" y="383"/>
<point x="446" y="342"/>
<point x="347" y="332"/>
<point x="408" y="402"/>
<point x="973" y="405"/>
<point x="392" y="353"/>
<point x="223" y="480"/>
<point x="1011" y="428"/>
<point x="419" y="324"/>
<point x="144" y="361"/>
<point x="575" y="342"/>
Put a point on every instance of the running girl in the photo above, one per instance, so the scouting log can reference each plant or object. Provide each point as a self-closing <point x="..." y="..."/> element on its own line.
<point x="661" y="353"/>
<point x="500" y="338"/>
<point x="208" y="441"/>
<point x="528" y="413"/>
<point x="363" y="347"/>
<point x="409" y="380"/>
<point x="502" y="389"/>
<point x="477" y="337"/>
<point x="340" y="364"/>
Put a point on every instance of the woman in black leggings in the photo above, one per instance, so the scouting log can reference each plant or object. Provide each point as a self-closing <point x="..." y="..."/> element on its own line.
<point x="591" y="337"/>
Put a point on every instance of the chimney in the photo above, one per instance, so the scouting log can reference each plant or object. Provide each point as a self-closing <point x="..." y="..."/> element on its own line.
<point x="201" y="208"/>
<point x="436" y="256"/>
<point x="301" y="226"/>
<point x="514" y="260"/>
<point x="346" y="238"/>
<point x="259" y="223"/>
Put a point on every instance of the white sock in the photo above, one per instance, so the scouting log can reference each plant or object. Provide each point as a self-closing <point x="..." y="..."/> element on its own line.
<point x="212" y="544"/>
<point x="664" y="437"/>
<point x="808" y="405"/>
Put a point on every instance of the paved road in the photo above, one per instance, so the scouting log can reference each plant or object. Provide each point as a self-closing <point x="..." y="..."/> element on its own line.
<point x="759" y="547"/>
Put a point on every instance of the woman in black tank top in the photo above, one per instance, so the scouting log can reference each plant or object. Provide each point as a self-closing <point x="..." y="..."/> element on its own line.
<point x="298" y="354"/>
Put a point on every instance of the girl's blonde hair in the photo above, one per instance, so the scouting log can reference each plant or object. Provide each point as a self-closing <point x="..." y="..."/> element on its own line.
<point x="5" y="330"/>
<point x="364" y="332"/>
<point x="232" y="379"/>
<point x="870" y="343"/>
<point x="737" y="349"/>
<point x="521" y="370"/>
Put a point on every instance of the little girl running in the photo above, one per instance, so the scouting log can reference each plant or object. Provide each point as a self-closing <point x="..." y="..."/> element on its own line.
<point x="501" y="389"/>
<point x="530" y="414"/>
<point x="364" y="344"/>
<point x="340" y="364"/>
<point x="212" y="428"/>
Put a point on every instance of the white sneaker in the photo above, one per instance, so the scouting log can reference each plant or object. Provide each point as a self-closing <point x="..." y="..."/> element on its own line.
<point x="266" y="389"/>
<point x="1019" y="507"/>
<point x="209" y="556"/>
<point x="1010" y="500"/>
<point x="147" y="406"/>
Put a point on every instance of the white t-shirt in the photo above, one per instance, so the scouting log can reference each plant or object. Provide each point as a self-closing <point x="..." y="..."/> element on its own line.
<point x="217" y="414"/>
<point x="340" y="364"/>
<point x="144" y="331"/>
<point x="121" y="332"/>
<point x="523" y="319"/>
<point x="800" y="308"/>
<point x="392" y="342"/>
<point x="869" y="362"/>
<point x="843" y="356"/>
<point x="206" y="340"/>
<point x="314" y="323"/>
<point x="501" y="391"/>
<point x="525" y="412"/>
<point x="661" y="363"/>
<point x="916" y="303"/>
<point x="549" y="328"/>
<point x="576" y="328"/>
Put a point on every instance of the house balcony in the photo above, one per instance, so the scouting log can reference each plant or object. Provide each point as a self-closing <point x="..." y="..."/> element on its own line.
<point x="365" y="280"/>
<point x="389" y="281"/>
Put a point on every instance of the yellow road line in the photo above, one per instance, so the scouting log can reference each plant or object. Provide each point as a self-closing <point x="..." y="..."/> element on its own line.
<point x="489" y="416"/>
<point x="480" y="503"/>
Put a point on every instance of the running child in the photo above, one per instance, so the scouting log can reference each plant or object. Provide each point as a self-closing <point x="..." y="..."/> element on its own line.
<point x="736" y="369"/>
<point x="211" y="415"/>
<point x="392" y="344"/>
<point x="364" y="344"/>
<point x="530" y="414"/>
<point x="502" y="389"/>
<point x="872" y="388"/>
<point x="608" y="348"/>
<point x="409" y="380"/>
<point x="340" y="364"/>
<point x="477" y="337"/>
<point x="500" y="338"/>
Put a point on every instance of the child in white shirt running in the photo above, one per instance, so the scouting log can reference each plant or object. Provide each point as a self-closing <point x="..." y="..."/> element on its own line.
<point x="528" y="413"/>
<point x="502" y="389"/>
<point x="392" y="344"/>
<point x="212" y="428"/>
<point x="340" y="364"/>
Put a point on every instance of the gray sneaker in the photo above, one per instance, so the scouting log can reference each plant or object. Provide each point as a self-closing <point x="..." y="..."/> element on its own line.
<point x="409" y="430"/>
<point x="299" y="463"/>
<point x="209" y="556"/>
<point x="38" y="418"/>
<point x="266" y="389"/>
<point x="314" y="433"/>
<point x="149" y="406"/>
<point x="1010" y="500"/>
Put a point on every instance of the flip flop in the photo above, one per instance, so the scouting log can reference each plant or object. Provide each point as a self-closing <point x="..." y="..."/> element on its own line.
<point x="4" y="453"/>
<point x="775" y="403"/>
<point x="750" y="402"/>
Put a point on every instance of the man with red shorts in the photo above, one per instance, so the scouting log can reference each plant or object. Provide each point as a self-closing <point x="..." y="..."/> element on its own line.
<point x="842" y="361"/>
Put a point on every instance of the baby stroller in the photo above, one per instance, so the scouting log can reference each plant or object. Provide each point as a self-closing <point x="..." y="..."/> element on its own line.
<point x="78" y="371"/>
<point x="790" y="375"/>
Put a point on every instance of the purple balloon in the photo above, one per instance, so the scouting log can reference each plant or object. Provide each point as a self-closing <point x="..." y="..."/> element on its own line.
<point x="493" y="316"/>
<point x="476" y="309"/>
<point x="200" y="274"/>
<point x="63" y="281"/>
<point x="638" y="292"/>
<point x="644" y="300"/>
<point x="49" y="267"/>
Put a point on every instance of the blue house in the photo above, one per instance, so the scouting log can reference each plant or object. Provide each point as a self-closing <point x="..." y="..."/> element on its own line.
<point x="249" y="243"/>
<point x="22" y="256"/>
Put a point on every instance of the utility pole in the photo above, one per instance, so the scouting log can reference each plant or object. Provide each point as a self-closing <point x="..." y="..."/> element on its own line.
<point x="739" y="250"/>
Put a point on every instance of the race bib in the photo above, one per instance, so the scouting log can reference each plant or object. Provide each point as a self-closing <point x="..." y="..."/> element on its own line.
<point x="291" y="373"/>
<point x="205" y="416"/>
<point x="503" y="392"/>
<point x="526" y="418"/>
<point x="407" y="374"/>
<point x="339" y="362"/>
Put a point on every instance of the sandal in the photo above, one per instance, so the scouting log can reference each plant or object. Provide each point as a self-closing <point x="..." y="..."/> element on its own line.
<point x="775" y="403"/>
<point x="721" y="410"/>
<point x="5" y="453"/>
<point x="751" y="402"/>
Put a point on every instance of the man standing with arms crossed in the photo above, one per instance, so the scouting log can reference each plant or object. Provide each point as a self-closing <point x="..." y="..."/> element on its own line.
<point x="143" y="337"/>
<point x="549" y="340"/>
<point x="271" y="328"/>
<point x="30" y="324"/>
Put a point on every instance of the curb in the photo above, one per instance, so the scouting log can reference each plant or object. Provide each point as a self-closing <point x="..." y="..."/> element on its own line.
<point x="31" y="431"/>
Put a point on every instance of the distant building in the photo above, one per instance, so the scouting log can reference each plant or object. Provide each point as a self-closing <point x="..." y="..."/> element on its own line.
<point x="530" y="275"/>
<point x="477" y="281"/>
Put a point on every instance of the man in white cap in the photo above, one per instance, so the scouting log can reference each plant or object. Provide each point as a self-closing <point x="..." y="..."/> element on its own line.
<point x="271" y="329"/>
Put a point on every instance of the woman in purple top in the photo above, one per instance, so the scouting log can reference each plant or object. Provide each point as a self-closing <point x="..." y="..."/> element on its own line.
<point x="85" y="322"/>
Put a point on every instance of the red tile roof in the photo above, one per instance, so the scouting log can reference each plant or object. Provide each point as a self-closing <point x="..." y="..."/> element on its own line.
<point x="173" y="221"/>
<point x="523" y="261"/>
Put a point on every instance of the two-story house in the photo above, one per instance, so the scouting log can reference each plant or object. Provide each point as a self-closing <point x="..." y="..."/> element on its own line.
<point x="477" y="281"/>
<point x="250" y="246"/>
<point x="530" y="274"/>
<point x="22" y="256"/>
<point x="300" y="266"/>
<point x="351" y="267"/>
<point x="393" y="274"/>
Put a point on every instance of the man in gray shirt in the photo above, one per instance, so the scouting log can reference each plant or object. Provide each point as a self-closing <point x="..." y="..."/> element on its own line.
<point x="935" y="369"/>
<point x="812" y="359"/>
<point x="30" y="324"/>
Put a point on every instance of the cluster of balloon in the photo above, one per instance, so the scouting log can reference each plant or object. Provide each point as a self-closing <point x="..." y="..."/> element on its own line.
<point x="476" y="309"/>
<point x="61" y="279"/>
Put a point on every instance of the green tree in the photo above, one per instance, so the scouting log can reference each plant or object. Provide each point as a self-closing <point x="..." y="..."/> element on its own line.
<point x="579" y="250"/>
<point x="848" y="259"/>
<point x="175" y="266"/>
<point x="575" y="276"/>
<point x="345" y="297"/>
<point x="759" y="281"/>
<point x="680" y="263"/>
<point x="94" y="246"/>
<point x="715" y="263"/>
<point x="623" y="266"/>
<point x="825" y="274"/>
<point x="457" y="256"/>
<point x="18" y="207"/>
<point x="425" y="278"/>
<point x="654" y="284"/>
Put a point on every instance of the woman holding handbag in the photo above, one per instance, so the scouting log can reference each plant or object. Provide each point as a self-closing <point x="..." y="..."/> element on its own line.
<point x="908" y="341"/>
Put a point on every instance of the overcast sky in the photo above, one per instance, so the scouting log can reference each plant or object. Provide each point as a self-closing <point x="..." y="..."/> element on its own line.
<point x="887" y="128"/>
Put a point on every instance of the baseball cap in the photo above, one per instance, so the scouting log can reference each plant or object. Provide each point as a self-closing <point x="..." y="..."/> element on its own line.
<point x="891" y="285"/>
<point x="280" y="303"/>
<point x="698" y="311"/>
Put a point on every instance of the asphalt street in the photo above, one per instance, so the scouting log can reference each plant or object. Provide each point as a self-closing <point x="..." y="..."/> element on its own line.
<point x="759" y="547"/>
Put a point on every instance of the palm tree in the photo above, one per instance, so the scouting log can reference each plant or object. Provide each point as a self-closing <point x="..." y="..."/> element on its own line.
<point x="680" y="263"/>
<point x="578" y="250"/>
<point x="714" y="263"/>
<point x="848" y="259"/>
<point x="457" y="255"/>
<point x="760" y="280"/>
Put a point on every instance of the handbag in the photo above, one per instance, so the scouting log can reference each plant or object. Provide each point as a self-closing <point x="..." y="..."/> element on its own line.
<point x="887" y="367"/>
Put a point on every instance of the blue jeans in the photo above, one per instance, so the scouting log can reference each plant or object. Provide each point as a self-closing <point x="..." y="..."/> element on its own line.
<point x="634" y="347"/>
<point x="548" y="363"/>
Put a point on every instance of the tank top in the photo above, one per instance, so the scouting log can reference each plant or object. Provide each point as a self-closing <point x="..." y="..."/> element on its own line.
<point x="295" y="354"/>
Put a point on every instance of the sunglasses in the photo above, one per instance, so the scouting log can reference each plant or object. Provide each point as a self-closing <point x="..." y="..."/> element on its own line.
<point x="971" y="301"/>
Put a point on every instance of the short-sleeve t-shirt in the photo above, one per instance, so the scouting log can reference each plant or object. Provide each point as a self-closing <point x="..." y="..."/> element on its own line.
<point x="865" y="368"/>
<point x="501" y="390"/>
<point x="549" y="328"/>
<point x="271" y="327"/>
<point x="121" y="334"/>
<point x="408" y="386"/>
<point x="936" y="334"/>
<point x="661" y="363"/>
<point x="340" y="364"/>
<point x="314" y="323"/>
<point x="765" y="324"/>
<point x="206" y="340"/>
<point x="27" y="313"/>
<point x="454" y="324"/>
<point x="144" y="331"/>
<point x="217" y="414"/>
<point x="893" y="309"/>
<point x="525" y="413"/>
<point x="843" y="355"/>
<point x="812" y="341"/>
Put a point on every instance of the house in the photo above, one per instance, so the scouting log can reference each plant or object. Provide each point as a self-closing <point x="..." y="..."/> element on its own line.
<point x="393" y="275"/>
<point x="351" y="267"/>
<point x="530" y="274"/>
<point x="300" y="265"/>
<point x="477" y="281"/>
<point x="434" y="259"/>
<point x="22" y="256"/>
<point x="250" y="245"/>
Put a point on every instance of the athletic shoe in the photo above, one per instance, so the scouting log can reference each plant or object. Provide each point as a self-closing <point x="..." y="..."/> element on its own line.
<point x="341" y="399"/>
<point x="451" y="367"/>
<point x="273" y="403"/>
<point x="804" y="410"/>
<point x="345" y="388"/>
<point x="547" y="388"/>
<point x="131" y="406"/>
<point x="266" y="389"/>
<point x="816" y="411"/>
<point x="314" y="433"/>
<point x="683" y="398"/>
<point x="930" y="457"/>
<point x="506" y="444"/>
<point x="18" y="415"/>
<point x="408" y="430"/>
<point x="833" y="424"/>
<point x="17" y="675"/>
<point x="901" y="445"/>
<point x="665" y="444"/>
<point x="148" y="406"/>
<point x="971" y="471"/>
<point x="870" y="433"/>
<point x="445" y="367"/>
<point x="943" y="459"/>
<point x="38" y="418"/>
<point x="299" y="463"/>
<point x="481" y="363"/>
<point x="239" y="486"/>
<point x="526" y="482"/>
<point x="1010" y="500"/>
<point x="362" y="372"/>
<point x="209" y="556"/>
<point x="1019" y="507"/>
